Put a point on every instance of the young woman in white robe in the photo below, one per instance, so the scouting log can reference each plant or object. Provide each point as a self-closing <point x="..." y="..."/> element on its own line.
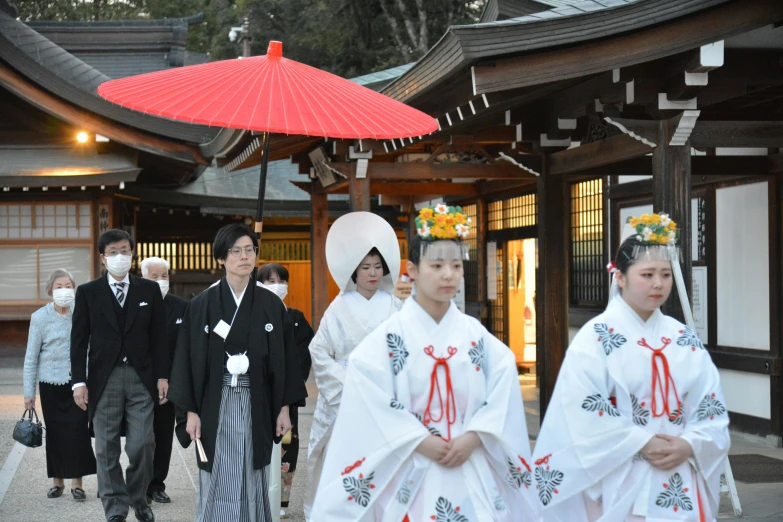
<point x="432" y="424"/>
<point x="637" y="429"/>
<point x="363" y="256"/>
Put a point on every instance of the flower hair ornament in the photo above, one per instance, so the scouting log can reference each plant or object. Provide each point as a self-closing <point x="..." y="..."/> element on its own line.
<point x="656" y="237"/>
<point x="439" y="223"/>
<point x="654" y="231"/>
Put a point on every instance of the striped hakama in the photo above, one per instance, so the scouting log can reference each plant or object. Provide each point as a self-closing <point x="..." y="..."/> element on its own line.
<point x="234" y="491"/>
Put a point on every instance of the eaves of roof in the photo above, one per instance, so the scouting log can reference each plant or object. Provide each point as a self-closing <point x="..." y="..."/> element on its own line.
<point x="59" y="72"/>
<point x="462" y="46"/>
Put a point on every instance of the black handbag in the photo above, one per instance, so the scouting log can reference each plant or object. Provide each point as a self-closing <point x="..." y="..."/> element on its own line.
<point x="27" y="432"/>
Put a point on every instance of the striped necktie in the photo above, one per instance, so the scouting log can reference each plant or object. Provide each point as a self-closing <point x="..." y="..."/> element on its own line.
<point x="120" y="294"/>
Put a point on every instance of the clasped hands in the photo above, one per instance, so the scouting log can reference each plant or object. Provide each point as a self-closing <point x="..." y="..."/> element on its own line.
<point x="667" y="452"/>
<point x="450" y="454"/>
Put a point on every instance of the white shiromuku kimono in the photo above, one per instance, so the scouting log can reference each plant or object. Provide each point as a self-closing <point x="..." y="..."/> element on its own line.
<point x="347" y="321"/>
<point x="620" y="384"/>
<point x="412" y="378"/>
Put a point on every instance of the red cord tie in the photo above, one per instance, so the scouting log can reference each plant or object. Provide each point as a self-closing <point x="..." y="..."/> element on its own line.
<point x="662" y="384"/>
<point x="451" y="403"/>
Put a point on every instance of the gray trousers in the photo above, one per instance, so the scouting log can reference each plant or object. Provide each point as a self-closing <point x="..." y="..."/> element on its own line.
<point x="125" y="396"/>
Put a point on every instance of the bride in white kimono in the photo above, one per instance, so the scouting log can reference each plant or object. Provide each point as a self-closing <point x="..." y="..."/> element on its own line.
<point x="363" y="256"/>
<point x="637" y="429"/>
<point x="432" y="425"/>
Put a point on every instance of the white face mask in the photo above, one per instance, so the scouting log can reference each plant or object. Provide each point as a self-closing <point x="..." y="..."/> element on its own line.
<point x="281" y="289"/>
<point x="119" y="265"/>
<point x="164" y="286"/>
<point x="63" y="296"/>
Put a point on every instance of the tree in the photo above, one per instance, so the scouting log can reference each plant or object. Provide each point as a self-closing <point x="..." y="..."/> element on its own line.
<point x="346" y="37"/>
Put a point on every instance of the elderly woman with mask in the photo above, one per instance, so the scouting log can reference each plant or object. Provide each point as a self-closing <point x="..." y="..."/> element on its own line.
<point x="48" y="363"/>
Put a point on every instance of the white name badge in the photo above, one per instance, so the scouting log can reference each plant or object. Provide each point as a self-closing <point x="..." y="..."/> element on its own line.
<point x="222" y="329"/>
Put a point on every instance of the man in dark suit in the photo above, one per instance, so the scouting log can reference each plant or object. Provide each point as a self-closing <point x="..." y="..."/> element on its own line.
<point x="120" y="320"/>
<point x="157" y="269"/>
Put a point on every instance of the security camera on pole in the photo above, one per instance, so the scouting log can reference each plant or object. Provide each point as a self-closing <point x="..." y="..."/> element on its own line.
<point x="243" y="34"/>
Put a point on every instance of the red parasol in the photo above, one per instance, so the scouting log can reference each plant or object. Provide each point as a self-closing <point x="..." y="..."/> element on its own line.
<point x="270" y="94"/>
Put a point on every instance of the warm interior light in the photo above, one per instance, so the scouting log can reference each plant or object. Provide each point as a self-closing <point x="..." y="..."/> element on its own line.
<point x="82" y="137"/>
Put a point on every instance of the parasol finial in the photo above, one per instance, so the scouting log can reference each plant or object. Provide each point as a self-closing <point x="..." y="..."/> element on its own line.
<point x="275" y="49"/>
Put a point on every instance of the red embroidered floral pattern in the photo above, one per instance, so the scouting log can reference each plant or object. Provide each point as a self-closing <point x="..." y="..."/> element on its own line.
<point x="359" y="489"/>
<point x="608" y="337"/>
<point x="397" y="352"/>
<point x="446" y="512"/>
<point x="597" y="403"/>
<point x="689" y="338"/>
<point x="641" y="416"/>
<point x="710" y="407"/>
<point x="674" y="495"/>
<point x="547" y="480"/>
<point x="478" y="355"/>
<point x="517" y="477"/>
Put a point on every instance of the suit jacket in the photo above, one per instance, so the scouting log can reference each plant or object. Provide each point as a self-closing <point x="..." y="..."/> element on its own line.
<point x="304" y="334"/>
<point x="96" y="330"/>
<point x="175" y="310"/>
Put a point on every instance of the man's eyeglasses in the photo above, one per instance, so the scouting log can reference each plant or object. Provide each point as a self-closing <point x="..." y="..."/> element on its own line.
<point x="237" y="251"/>
<point x="124" y="252"/>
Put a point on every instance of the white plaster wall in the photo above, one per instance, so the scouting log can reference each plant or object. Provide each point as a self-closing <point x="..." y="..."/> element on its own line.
<point x="629" y="179"/>
<point x="743" y="266"/>
<point x="746" y="393"/>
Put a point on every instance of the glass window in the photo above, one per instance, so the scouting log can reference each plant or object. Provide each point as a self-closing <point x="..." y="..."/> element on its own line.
<point x="18" y="278"/>
<point x="76" y="260"/>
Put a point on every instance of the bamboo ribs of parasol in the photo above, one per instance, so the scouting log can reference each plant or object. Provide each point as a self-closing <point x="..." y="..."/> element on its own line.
<point x="269" y="94"/>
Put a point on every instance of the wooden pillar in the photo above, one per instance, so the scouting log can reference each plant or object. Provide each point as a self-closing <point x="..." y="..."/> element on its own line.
<point x="481" y="253"/>
<point x="672" y="194"/>
<point x="776" y="306"/>
<point x="552" y="280"/>
<point x="319" y="279"/>
<point x="359" y="190"/>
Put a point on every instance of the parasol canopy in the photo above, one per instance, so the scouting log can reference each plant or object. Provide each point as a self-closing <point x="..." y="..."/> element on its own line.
<point x="269" y="93"/>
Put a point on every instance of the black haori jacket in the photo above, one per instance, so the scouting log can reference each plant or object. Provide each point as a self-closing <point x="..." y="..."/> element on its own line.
<point x="261" y="327"/>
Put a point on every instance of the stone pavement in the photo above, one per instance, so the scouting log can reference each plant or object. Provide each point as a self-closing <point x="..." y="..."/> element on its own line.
<point x="23" y="481"/>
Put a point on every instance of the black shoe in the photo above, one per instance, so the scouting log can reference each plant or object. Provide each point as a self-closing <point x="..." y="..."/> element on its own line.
<point x="145" y="515"/>
<point x="78" y="494"/>
<point x="117" y="518"/>
<point x="160" y="497"/>
<point x="55" y="491"/>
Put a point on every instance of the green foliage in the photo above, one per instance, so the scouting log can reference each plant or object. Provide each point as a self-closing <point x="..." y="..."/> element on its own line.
<point x="346" y="37"/>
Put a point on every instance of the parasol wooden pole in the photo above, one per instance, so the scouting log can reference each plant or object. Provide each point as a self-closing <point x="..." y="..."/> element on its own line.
<point x="262" y="188"/>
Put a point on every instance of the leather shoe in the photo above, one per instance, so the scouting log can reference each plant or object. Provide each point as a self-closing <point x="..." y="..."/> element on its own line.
<point x="160" y="496"/>
<point x="117" y="518"/>
<point x="145" y="515"/>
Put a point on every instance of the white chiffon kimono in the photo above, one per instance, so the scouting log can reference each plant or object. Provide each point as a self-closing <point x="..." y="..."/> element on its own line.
<point x="347" y="321"/>
<point x="412" y="378"/>
<point x="623" y="381"/>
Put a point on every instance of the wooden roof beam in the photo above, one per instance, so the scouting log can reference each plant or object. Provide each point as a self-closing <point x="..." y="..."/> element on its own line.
<point x="706" y="134"/>
<point x="651" y="43"/>
<point x="430" y="171"/>
<point x="605" y="152"/>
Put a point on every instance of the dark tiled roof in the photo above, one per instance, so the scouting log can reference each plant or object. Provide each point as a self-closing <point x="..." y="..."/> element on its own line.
<point x="61" y="73"/>
<point x="121" y="65"/>
<point x="568" y="24"/>
<point x="50" y="165"/>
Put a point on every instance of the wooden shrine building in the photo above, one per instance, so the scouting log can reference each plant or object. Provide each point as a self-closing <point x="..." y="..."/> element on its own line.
<point x="558" y="123"/>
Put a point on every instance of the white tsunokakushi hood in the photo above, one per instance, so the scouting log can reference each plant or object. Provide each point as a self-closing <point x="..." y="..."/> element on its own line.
<point x="351" y="238"/>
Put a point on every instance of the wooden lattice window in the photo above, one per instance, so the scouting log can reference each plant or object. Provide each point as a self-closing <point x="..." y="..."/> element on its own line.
<point x="588" y="275"/>
<point x="518" y="212"/>
<point x="471" y="265"/>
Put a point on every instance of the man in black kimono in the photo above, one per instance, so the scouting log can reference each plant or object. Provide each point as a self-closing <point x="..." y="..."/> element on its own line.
<point x="157" y="269"/>
<point x="119" y="318"/>
<point x="236" y="343"/>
